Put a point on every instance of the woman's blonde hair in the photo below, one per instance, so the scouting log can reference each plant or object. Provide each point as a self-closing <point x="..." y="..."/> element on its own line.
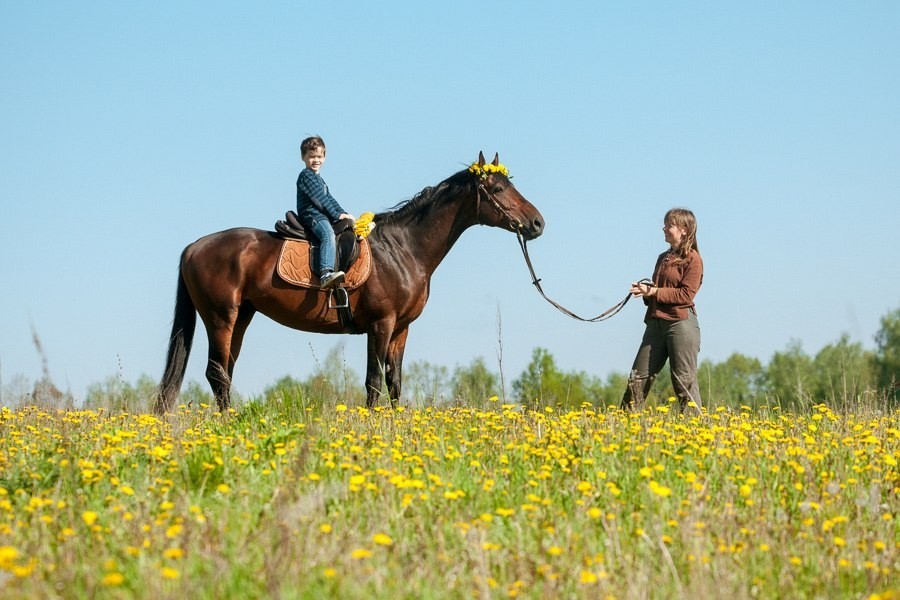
<point x="685" y="219"/>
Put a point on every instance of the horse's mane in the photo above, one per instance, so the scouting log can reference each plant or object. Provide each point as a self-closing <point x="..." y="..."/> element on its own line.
<point x="425" y="200"/>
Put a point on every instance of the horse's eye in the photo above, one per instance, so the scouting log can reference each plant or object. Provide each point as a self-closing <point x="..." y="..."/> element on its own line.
<point x="496" y="189"/>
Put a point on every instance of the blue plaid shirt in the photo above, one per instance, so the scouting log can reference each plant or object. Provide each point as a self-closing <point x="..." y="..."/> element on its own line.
<point x="314" y="202"/>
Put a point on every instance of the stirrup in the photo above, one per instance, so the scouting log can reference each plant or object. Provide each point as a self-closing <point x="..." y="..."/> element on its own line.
<point x="342" y="300"/>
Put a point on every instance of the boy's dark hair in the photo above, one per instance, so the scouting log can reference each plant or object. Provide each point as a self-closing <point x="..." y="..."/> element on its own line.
<point x="311" y="143"/>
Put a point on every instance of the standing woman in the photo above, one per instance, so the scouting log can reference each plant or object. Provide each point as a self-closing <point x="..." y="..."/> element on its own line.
<point x="672" y="331"/>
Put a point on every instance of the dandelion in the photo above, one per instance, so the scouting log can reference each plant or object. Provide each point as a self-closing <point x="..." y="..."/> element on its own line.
<point x="659" y="490"/>
<point x="587" y="578"/>
<point x="361" y="553"/>
<point x="382" y="539"/>
<point x="554" y="550"/>
<point x="113" y="579"/>
<point x="89" y="517"/>
<point x="170" y="573"/>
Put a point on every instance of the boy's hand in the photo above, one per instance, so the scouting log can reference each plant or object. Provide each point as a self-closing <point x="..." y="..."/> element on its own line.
<point x="346" y="216"/>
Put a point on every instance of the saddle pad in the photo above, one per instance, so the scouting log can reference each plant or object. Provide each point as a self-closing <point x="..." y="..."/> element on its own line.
<point x="293" y="265"/>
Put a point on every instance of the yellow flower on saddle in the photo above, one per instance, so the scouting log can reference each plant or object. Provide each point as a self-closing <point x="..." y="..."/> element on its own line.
<point x="485" y="170"/>
<point x="364" y="225"/>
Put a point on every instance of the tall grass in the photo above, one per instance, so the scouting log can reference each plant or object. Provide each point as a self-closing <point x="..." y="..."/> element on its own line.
<point x="305" y="497"/>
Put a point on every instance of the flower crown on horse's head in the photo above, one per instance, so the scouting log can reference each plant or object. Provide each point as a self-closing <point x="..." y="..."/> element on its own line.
<point x="482" y="170"/>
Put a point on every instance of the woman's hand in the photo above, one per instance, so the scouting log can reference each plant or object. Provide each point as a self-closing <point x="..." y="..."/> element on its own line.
<point x="642" y="289"/>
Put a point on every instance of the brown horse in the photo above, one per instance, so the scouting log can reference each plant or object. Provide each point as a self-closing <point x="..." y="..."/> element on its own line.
<point x="228" y="277"/>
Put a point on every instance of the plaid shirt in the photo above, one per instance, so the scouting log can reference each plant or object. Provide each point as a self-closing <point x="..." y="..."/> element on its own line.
<point x="314" y="202"/>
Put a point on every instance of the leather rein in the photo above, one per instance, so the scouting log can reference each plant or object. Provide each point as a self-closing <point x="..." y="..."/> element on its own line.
<point x="612" y="311"/>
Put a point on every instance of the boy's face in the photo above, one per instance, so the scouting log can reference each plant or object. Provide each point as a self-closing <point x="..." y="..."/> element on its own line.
<point x="314" y="159"/>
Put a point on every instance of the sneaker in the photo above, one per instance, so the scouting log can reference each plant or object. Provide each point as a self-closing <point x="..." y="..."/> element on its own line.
<point x="330" y="279"/>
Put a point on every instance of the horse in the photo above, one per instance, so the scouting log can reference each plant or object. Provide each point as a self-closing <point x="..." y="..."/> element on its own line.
<point x="229" y="276"/>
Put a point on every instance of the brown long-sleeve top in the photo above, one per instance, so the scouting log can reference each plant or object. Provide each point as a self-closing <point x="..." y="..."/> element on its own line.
<point x="677" y="283"/>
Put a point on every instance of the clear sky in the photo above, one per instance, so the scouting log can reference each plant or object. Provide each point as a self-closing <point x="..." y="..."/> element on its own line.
<point x="129" y="130"/>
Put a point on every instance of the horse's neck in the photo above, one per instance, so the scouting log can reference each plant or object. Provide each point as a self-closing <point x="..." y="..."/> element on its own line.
<point x="430" y="236"/>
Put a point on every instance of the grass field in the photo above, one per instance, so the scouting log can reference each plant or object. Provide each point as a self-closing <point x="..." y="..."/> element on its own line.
<point x="285" y="500"/>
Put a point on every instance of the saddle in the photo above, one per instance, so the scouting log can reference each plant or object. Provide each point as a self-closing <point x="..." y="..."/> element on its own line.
<point x="298" y="253"/>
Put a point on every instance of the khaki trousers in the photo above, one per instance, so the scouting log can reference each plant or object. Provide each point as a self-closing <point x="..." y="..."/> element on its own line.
<point x="675" y="341"/>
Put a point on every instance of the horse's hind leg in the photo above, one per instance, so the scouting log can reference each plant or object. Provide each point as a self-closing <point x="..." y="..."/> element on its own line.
<point x="394" y="366"/>
<point x="245" y="315"/>
<point x="219" y="365"/>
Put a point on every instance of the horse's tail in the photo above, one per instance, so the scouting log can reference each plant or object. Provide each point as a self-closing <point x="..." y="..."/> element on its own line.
<point x="183" y="325"/>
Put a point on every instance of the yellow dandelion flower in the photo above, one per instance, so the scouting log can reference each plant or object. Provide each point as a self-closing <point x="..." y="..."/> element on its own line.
<point x="361" y="553"/>
<point x="659" y="490"/>
<point x="330" y="573"/>
<point x="173" y="531"/>
<point x="325" y="528"/>
<point x="113" y="579"/>
<point x="8" y="554"/>
<point x="587" y="578"/>
<point x="341" y="408"/>
<point x="173" y="553"/>
<point x="223" y="488"/>
<point x="382" y="539"/>
<point x="170" y="573"/>
<point x="89" y="517"/>
<point x="554" y="550"/>
<point x="839" y="542"/>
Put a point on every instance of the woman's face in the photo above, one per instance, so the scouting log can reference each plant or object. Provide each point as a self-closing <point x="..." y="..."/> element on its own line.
<point x="674" y="233"/>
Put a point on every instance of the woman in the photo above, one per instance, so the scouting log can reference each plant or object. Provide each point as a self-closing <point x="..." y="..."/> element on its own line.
<point x="672" y="331"/>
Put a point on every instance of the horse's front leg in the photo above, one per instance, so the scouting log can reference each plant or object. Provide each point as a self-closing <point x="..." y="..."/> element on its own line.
<point x="379" y="339"/>
<point x="393" y="372"/>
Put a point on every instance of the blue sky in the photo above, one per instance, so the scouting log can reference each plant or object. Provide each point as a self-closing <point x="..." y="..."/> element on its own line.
<point x="130" y="130"/>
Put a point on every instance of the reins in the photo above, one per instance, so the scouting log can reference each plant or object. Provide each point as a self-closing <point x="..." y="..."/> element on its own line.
<point x="612" y="311"/>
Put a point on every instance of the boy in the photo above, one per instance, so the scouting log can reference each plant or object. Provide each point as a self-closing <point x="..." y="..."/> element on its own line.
<point x="318" y="210"/>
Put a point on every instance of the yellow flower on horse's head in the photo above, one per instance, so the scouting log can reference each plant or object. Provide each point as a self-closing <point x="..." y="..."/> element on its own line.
<point x="485" y="170"/>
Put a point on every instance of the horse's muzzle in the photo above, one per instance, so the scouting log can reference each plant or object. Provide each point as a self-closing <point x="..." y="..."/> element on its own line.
<point x="533" y="228"/>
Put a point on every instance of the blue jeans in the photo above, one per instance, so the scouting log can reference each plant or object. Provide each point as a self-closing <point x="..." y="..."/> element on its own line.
<point x="323" y="230"/>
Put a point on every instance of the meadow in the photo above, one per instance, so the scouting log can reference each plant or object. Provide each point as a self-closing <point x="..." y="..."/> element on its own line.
<point x="285" y="499"/>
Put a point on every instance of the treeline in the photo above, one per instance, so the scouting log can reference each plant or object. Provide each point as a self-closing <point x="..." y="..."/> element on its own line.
<point x="842" y="375"/>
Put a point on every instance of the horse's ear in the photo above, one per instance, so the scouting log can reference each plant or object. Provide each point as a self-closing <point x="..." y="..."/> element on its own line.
<point x="480" y="158"/>
<point x="496" y="159"/>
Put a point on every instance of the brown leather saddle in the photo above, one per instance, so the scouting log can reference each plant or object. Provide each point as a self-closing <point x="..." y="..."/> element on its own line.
<point x="346" y="241"/>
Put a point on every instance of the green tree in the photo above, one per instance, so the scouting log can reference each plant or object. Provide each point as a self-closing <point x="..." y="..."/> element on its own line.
<point x="790" y="376"/>
<point x="737" y="381"/>
<point x="542" y="383"/>
<point x="886" y="361"/>
<point x="116" y="394"/>
<point x="475" y="382"/>
<point x="425" y="383"/>
<point x="842" y="373"/>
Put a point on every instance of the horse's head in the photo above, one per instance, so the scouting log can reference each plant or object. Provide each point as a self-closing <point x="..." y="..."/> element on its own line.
<point x="499" y="202"/>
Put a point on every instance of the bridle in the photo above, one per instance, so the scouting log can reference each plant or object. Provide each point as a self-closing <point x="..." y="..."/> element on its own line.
<point x="517" y="227"/>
